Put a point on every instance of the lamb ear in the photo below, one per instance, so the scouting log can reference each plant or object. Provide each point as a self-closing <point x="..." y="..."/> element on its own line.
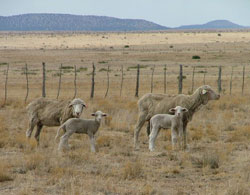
<point x="104" y="114"/>
<point x="93" y="114"/>
<point x="172" y="110"/>
<point x="184" y="110"/>
<point x="204" y="91"/>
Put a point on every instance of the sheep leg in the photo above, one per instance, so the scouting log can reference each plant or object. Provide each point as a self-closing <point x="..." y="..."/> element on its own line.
<point x="185" y="136"/>
<point x="181" y="140"/>
<point x="64" y="140"/>
<point x="32" y="124"/>
<point x="152" y="137"/>
<point x="92" y="143"/>
<point x="139" y="124"/>
<point x="174" y="138"/>
<point x="38" y="131"/>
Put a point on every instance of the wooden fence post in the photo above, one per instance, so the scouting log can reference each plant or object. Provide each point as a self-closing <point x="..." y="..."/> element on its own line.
<point x="231" y="80"/>
<point x="243" y="80"/>
<point x="59" y="84"/>
<point x="192" y="89"/>
<point x="204" y="77"/>
<point x="44" y="78"/>
<point x="93" y="82"/>
<point x="27" y="83"/>
<point x="137" y="81"/>
<point x="219" y="80"/>
<point x="121" y="81"/>
<point x="180" y="80"/>
<point x="6" y="82"/>
<point x="75" y="84"/>
<point x="152" y="79"/>
<point x="107" y="83"/>
<point x="165" y="78"/>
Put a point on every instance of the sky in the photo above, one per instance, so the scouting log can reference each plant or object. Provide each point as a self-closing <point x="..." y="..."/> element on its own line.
<point x="170" y="13"/>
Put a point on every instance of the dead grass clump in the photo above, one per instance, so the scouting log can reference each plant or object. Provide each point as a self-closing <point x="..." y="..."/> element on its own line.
<point x="238" y="189"/>
<point x="4" y="175"/>
<point x="208" y="159"/>
<point x="195" y="134"/>
<point x="240" y="134"/>
<point x="103" y="141"/>
<point x="132" y="170"/>
<point x="148" y="190"/>
<point x="33" y="161"/>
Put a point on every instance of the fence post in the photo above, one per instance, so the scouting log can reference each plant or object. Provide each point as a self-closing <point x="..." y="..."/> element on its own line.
<point x="75" y="83"/>
<point x="219" y="80"/>
<point x="137" y="81"/>
<point x="180" y="80"/>
<point x="59" y="84"/>
<point x="121" y="81"/>
<point x="6" y="82"/>
<point x="165" y="79"/>
<point x="93" y="82"/>
<point x="152" y="79"/>
<point x="204" y="77"/>
<point x="27" y="83"/>
<point x="44" y="78"/>
<point x="243" y="80"/>
<point x="192" y="89"/>
<point x="231" y="80"/>
<point x="107" y="83"/>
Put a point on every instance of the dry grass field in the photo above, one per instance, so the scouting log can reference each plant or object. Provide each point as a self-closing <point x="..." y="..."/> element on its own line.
<point x="217" y="160"/>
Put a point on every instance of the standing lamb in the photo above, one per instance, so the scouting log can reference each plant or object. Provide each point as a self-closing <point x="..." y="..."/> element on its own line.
<point x="151" y="104"/>
<point x="86" y="126"/>
<point x="166" y="121"/>
<point x="51" y="113"/>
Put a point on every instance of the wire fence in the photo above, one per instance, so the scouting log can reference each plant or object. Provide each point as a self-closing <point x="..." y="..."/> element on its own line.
<point x="28" y="82"/>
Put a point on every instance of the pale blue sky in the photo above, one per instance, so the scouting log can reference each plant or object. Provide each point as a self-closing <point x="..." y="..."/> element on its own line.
<point x="169" y="13"/>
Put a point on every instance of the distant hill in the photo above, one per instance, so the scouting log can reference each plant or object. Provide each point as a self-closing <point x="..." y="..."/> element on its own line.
<point x="216" y="24"/>
<point x="67" y="22"/>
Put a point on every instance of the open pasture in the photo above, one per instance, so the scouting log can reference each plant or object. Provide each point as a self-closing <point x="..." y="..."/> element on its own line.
<point x="218" y="157"/>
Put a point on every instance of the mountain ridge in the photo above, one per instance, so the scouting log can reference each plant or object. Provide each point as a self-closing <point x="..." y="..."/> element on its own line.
<point x="70" y="22"/>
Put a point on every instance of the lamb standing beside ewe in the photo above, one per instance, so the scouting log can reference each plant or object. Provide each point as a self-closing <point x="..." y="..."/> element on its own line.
<point x="86" y="126"/>
<point x="51" y="113"/>
<point x="166" y="121"/>
<point x="151" y="104"/>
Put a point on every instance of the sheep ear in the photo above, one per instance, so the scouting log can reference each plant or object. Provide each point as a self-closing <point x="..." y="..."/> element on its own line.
<point x="204" y="91"/>
<point x="184" y="110"/>
<point x="172" y="110"/>
<point x="85" y="105"/>
<point x="104" y="114"/>
<point x="93" y="114"/>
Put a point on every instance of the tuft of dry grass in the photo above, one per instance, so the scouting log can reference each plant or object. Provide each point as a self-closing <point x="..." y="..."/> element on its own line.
<point x="4" y="172"/>
<point x="132" y="170"/>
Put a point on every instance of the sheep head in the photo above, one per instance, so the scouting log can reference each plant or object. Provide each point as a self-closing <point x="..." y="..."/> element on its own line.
<point x="207" y="93"/>
<point x="77" y="106"/>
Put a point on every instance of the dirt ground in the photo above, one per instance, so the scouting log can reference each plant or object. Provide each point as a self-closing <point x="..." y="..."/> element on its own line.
<point x="217" y="160"/>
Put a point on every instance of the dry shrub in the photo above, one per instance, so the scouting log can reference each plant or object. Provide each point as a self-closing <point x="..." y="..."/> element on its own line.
<point x="103" y="141"/>
<point x="132" y="170"/>
<point x="147" y="190"/>
<point x="238" y="189"/>
<point x="208" y="159"/>
<point x="195" y="134"/>
<point x="4" y="175"/>
<point x="34" y="161"/>
<point x="4" y="134"/>
<point x="170" y="170"/>
<point x="240" y="134"/>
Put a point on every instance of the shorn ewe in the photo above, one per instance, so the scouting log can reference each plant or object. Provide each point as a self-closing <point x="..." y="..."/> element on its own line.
<point x="46" y="112"/>
<point x="167" y="121"/>
<point x="151" y="104"/>
<point x="86" y="126"/>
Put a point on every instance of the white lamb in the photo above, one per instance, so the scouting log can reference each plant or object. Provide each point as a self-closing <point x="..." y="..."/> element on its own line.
<point x="167" y="121"/>
<point x="77" y="125"/>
